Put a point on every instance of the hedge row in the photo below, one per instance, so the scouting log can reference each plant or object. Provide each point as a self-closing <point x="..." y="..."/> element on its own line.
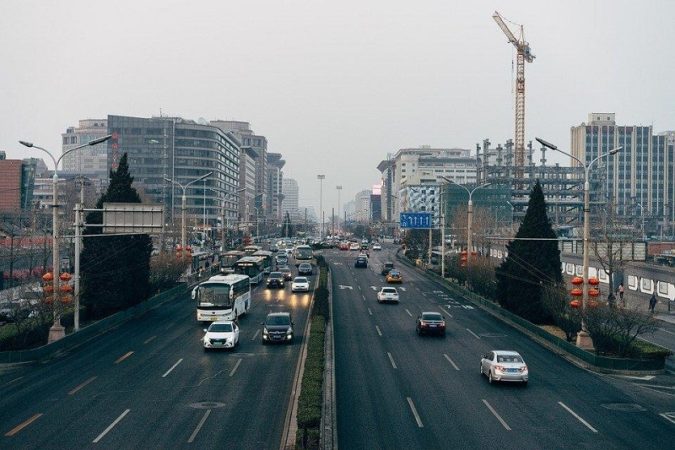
<point x="311" y="394"/>
<point x="34" y="333"/>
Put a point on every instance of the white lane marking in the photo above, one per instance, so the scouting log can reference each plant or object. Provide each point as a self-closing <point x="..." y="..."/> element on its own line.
<point x="474" y="334"/>
<point x="402" y="288"/>
<point x="363" y="297"/>
<point x="373" y="288"/>
<point x="408" y="312"/>
<point x="665" y="331"/>
<point x="257" y="332"/>
<point x="645" y="378"/>
<point x="414" y="411"/>
<point x="370" y="312"/>
<point x="23" y="425"/>
<point x="451" y="361"/>
<point x="391" y="359"/>
<point x="448" y="312"/>
<point x="670" y="416"/>
<point x="342" y="286"/>
<point x="72" y="392"/>
<point x="359" y="286"/>
<point x="123" y="357"/>
<point x="378" y="330"/>
<point x="236" y="366"/>
<point x="111" y="426"/>
<point x="467" y="306"/>
<point x="149" y="340"/>
<point x="172" y="367"/>
<point x="492" y="410"/>
<point x="588" y="425"/>
<point x="199" y="426"/>
<point x="424" y="294"/>
<point x="12" y="381"/>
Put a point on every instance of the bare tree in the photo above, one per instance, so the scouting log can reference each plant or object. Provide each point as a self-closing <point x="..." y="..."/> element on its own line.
<point x="557" y="301"/>
<point x="615" y="330"/>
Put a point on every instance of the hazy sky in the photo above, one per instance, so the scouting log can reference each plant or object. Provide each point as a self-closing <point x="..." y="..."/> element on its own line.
<point x="334" y="85"/>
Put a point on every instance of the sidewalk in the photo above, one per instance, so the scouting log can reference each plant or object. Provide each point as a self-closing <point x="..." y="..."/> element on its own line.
<point x="670" y="318"/>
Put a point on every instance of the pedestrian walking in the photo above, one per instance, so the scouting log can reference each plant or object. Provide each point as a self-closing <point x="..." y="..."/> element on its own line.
<point x="652" y="303"/>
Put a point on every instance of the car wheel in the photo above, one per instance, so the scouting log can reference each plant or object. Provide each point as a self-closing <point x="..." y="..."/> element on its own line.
<point x="490" y="380"/>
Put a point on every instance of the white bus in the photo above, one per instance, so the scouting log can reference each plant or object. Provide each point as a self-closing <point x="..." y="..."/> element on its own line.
<point x="303" y="253"/>
<point x="222" y="297"/>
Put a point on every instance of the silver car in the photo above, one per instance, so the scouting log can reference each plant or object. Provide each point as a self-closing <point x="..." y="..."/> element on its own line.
<point x="504" y="365"/>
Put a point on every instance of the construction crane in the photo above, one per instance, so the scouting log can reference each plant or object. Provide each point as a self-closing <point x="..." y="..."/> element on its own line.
<point x="524" y="54"/>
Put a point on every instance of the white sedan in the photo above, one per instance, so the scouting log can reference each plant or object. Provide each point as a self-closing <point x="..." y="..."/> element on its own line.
<point x="377" y="246"/>
<point x="221" y="334"/>
<point x="504" y="365"/>
<point x="300" y="284"/>
<point x="387" y="294"/>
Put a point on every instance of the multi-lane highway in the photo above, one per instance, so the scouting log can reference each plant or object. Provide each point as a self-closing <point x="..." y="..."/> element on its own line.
<point x="398" y="390"/>
<point x="149" y="384"/>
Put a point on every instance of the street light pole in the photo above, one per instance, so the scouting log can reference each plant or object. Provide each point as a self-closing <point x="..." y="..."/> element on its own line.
<point x="642" y="214"/>
<point x="339" y="189"/>
<point x="321" y="178"/>
<point x="183" y="233"/>
<point x="57" y="331"/>
<point x="583" y="338"/>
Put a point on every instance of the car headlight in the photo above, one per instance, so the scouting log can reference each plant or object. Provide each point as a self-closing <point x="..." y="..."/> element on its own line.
<point x="265" y="331"/>
<point x="289" y="331"/>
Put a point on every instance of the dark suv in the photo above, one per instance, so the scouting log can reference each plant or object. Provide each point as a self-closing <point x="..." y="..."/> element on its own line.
<point x="276" y="279"/>
<point x="361" y="261"/>
<point x="386" y="267"/>
<point x="277" y="327"/>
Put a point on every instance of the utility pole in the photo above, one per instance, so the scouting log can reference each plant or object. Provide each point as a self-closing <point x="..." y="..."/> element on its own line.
<point x="321" y="178"/>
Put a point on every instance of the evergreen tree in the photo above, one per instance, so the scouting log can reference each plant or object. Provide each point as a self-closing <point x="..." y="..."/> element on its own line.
<point x="530" y="264"/>
<point x="115" y="269"/>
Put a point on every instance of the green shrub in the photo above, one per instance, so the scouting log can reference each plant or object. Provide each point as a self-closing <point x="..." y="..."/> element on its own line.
<point x="311" y="395"/>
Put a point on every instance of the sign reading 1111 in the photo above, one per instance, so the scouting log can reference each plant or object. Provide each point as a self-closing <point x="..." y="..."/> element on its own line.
<point x="415" y="220"/>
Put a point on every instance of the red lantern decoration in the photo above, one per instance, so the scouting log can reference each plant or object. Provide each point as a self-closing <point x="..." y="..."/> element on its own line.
<point x="593" y="292"/>
<point x="66" y="299"/>
<point x="48" y="277"/>
<point x="575" y="304"/>
<point x="65" y="276"/>
<point x="593" y="281"/>
<point x="464" y="253"/>
<point x="577" y="292"/>
<point x="577" y="281"/>
<point x="48" y="289"/>
<point x="66" y="288"/>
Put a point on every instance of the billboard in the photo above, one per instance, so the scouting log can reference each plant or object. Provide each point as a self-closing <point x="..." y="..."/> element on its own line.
<point x="416" y="220"/>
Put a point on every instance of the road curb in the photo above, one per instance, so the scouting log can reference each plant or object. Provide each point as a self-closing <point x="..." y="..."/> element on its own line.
<point x="329" y="406"/>
<point x="539" y="340"/>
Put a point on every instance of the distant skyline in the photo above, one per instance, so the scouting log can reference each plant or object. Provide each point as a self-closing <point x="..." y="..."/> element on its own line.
<point x="334" y="86"/>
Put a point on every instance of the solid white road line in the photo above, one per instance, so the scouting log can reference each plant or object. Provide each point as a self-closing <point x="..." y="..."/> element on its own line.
<point x="667" y="417"/>
<point x="378" y="330"/>
<point x="504" y="424"/>
<point x="123" y="357"/>
<point x="451" y="361"/>
<point x="588" y="425"/>
<point x="474" y="334"/>
<point x="236" y="366"/>
<point x="81" y="386"/>
<point x="149" y="339"/>
<point x="391" y="359"/>
<point x="172" y="367"/>
<point x="111" y="426"/>
<point x="408" y="313"/>
<point x="370" y="312"/>
<point x="257" y="332"/>
<point x="23" y="425"/>
<point x="199" y="426"/>
<point x="414" y="411"/>
<point x="665" y="331"/>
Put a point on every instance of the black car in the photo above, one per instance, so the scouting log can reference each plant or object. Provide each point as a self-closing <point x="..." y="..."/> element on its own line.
<point x="387" y="267"/>
<point x="430" y="322"/>
<point x="305" y="269"/>
<point x="276" y="280"/>
<point x="361" y="261"/>
<point x="286" y="270"/>
<point x="277" y="327"/>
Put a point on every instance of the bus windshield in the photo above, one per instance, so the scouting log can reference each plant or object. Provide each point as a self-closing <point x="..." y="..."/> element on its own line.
<point x="303" y="252"/>
<point x="214" y="295"/>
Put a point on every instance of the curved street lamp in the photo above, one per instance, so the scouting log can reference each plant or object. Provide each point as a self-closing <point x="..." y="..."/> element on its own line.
<point x="583" y="338"/>
<point x="57" y="331"/>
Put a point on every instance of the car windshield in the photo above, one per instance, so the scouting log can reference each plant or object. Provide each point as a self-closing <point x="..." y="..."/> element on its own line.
<point x="276" y="275"/>
<point x="389" y="265"/>
<point x="278" y="320"/>
<point x="509" y="359"/>
<point x="433" y="316"/>
<point x="220" y="328"/>
<point x="389" y="290"/>
<point x="284" y="269"/>
<point x="305" y="266"/>
<point x="300" y="280"/>
<point x="394" y="273"/>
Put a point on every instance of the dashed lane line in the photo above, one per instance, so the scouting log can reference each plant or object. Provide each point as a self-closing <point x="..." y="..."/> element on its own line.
<point x="451" y="361"/>
<point x="370" y="312"/>
<point x="23" y="425"/>
<point x="199" y="426"/>
<point x="473" y="334"/>
<point x="236" y="366"/>
<point x="492" y="410"/>
<point x="378" y="330"/>
<point x="257" y="332"/>
<point x="409" y="313"/>
<point x="147" y="341"/>
<point x="578" y="417"/>
<point x="73" y="391"/>
<point x="123" y="357"/>
<point x="110" y="427"/>
<point x="414" y="411"/>
<point x="172" y="367"/>
<point x="391" y="360"/>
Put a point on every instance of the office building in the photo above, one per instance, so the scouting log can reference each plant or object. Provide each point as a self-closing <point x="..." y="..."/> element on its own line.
<point x="91" y="161"/>
<point x="290" y="202"/>
<point x="274" y="195"/>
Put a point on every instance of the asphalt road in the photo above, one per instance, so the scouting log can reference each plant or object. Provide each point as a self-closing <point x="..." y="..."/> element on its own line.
<point x="398" y="390"/>
<point x="148" y="384"/>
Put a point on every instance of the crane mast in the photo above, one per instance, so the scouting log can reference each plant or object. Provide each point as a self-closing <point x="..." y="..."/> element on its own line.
<point x="523" y="55"/>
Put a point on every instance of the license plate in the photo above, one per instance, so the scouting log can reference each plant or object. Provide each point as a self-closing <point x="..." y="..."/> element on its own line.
<point x="213" y="318"/>
<point x="513" y="370"/>
<point x="432" y="326"/>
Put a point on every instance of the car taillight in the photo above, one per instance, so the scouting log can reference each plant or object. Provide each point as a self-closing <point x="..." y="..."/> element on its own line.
<point x="500" y="368"/>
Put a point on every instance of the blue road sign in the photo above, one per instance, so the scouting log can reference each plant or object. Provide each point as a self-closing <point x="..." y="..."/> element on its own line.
<point x="415" y="220"/>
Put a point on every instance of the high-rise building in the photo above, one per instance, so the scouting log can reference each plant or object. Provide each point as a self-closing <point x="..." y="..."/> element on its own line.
<point x="92" y="161"/>
<point x="639" y="180"/>
<point x="17" y="182"/>
<point x="290" y="202"/>
<point x="180" y="150"/>
<point x="275" y="194"/>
